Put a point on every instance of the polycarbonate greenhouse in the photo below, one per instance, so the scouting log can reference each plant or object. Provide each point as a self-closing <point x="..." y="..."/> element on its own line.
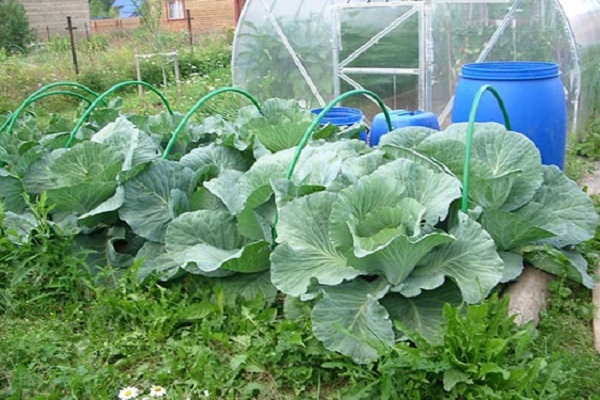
<point x="411" y="52"/>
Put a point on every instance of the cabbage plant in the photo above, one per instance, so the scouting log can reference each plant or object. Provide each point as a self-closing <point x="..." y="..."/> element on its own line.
<point x="382" y="255"/>
<point x="371" y="238"/>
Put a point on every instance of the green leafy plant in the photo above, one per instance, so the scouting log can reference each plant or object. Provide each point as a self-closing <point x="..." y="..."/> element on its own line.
<point x="480" y="353"/>
<point x="392" y="246"/>
<point x="265" y="58"/>
<point x="102" y="9"/>
<point x="588" y="144"/>
<point x="34" y="261"/>
<point x="15" y="33"/>
<point x="122" y="202"/>
<point x="380" y="237"/>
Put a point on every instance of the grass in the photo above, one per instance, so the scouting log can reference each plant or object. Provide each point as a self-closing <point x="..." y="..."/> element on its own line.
<point x="565" y="335"/>
<point x="155" y="335"/>
<point x="105" y="61"/>
<point x="68" y="333"/>
<point x="565" y="328"/>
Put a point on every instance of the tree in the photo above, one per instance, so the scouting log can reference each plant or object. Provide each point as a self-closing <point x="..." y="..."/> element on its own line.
<point x="101" y="8"/>
<point x="150" y="11"/>
<point x="15" y="33"/>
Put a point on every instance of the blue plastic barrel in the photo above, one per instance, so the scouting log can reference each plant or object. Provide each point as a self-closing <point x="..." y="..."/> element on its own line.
<point x="340" y="116"/>
<point x="401" y="119"/>
<point x="534" y="97"/>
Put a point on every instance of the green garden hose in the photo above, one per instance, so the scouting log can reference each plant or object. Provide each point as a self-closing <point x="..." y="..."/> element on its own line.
<point x="199" y="104"/>
<point x="314" y="125"/>
<point x="42" y="90"/>
<point x="317" y="121"/>
<point x="100" y="99"/>
<point x="18" y="111"/>
<point x="471" y="131"/>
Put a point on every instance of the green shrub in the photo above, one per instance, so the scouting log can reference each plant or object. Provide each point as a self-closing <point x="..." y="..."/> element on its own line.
<point x="152" y="71"/>
<point x="95" y="79"/>
<point x="15" y="33"/>
<point x="102" y="9"/>
<point x="205" y="61"/>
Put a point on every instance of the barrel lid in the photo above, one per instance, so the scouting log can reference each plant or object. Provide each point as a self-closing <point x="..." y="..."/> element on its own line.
<point x="510" y="70"/>
<point x="340" y="115"/>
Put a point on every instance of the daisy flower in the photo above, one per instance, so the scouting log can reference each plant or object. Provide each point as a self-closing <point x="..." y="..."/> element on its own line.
<point x="157" y="391"/>
<point x="130" y="392"/>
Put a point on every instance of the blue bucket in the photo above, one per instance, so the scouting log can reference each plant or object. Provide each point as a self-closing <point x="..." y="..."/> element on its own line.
<point x="341" y="116"/>
<point x="401" y="119"/>
<point x="534" y="97"/>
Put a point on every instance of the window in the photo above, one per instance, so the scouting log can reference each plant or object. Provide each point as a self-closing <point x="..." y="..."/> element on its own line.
<point x="175" y="9"/>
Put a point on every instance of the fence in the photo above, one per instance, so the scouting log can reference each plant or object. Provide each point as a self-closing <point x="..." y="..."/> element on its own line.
<point x="112" y="25"/>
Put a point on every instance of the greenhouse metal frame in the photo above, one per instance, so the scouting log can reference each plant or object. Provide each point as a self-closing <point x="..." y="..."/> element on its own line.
<point x="327" y="63"/>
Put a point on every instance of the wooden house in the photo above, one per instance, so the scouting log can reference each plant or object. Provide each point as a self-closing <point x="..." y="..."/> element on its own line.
<point x="208" y="15"/>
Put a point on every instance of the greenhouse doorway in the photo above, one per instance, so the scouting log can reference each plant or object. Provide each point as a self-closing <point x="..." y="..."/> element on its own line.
<point x="388" y="47"/>
<point x="380" y="47"/>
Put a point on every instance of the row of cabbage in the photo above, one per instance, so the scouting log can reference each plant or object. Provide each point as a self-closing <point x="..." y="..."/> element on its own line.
<point x="372" y="239"/>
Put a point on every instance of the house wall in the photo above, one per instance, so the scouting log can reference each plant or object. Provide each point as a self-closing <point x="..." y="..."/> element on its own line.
<point x="51" y="15"/>
<point x="208" y="16"/>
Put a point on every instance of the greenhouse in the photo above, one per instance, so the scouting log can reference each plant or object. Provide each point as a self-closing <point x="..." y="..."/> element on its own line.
<point x="411" y="52"/>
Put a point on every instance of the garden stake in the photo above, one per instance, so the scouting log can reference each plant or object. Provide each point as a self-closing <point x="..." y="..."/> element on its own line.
<point x="100" y="98"/>
<point x="40" y="96"/>
<point x="199" y="104"/>
<point x="313" y="126"/>
<point x="471" y="131"/>
<point x="44" y="89"/>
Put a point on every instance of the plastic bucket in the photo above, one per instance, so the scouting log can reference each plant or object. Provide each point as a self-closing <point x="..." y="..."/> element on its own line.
<point x="534" y="97"/>
<point x="401" y="119"/>
<point x="341" y="116"/>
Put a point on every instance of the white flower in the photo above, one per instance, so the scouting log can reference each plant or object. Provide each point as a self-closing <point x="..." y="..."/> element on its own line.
<point x="206" y="393"/>
<point x="130" y="392"/>
<point x="157" y="391"/>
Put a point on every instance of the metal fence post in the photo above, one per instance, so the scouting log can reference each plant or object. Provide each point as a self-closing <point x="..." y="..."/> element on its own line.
<point x="189" y="18"/>
<point x="71" y="28"/>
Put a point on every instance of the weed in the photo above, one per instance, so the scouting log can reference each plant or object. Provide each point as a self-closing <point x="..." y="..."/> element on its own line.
<point x="576" y="166"/>
<point x="565" y="335"/>
<point x="481" y="355"/>
<point x="108" y="60"/>
<point x="36" y="266"/>
<point x="589" y="142"/>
